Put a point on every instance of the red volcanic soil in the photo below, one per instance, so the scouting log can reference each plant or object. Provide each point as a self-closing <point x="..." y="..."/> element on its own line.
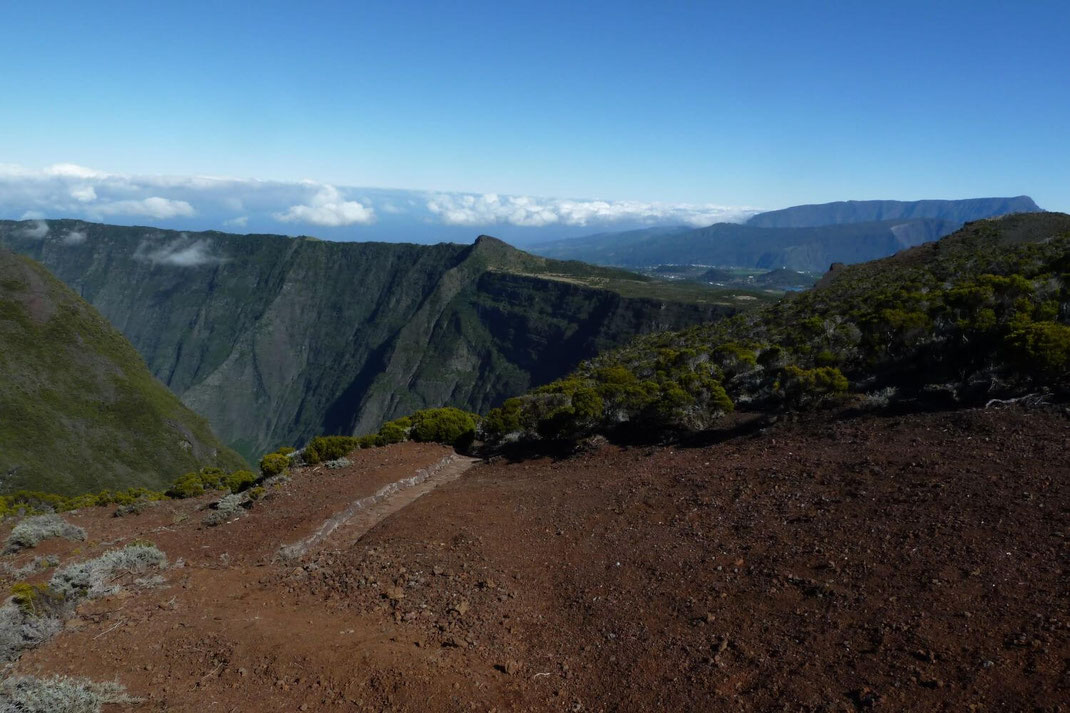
<point x="899" y="563"/>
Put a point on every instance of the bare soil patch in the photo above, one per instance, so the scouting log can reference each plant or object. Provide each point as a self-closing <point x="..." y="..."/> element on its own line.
<point x="907" y="563"/>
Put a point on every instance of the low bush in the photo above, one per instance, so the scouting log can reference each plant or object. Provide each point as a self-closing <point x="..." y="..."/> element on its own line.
<point x="274" y="464"/>
<point x="324" y="448"/>
<point x="96" y="577"/>
<point x="447" y="425"/>
<point x="239" y="480"/>
<point x="34" y="529"/>
<point x="59" y="694"/>
<point x="808" y="386"/>
<point x="21" y="630"/>
<point x="227" y="509"/>
<point x="36" y="599"/>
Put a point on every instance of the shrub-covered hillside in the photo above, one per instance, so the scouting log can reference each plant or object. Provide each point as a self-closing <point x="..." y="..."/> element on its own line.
<point x="79" y="410"/>
<point x="983" y="313"/>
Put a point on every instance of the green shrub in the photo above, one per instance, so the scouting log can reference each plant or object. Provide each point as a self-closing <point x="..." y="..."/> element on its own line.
<point x="323" y="448"/>
<point x="448" y="425"/>
<point x="189" y="485"/>
<point x="273" y="464"/>
<point x="239" y="480"/>
<point x="1041" y="348"/>
<point x="392" y="432"/>
<point x="805" y="386"/>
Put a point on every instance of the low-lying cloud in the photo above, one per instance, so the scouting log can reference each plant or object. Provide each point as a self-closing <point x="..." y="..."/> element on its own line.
<point x="74" y="237"/>
<point x="179" y="253"/>
<point x="38" y="230"/>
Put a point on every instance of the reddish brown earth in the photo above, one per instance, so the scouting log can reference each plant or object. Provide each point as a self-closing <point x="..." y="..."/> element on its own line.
<point x="889" y="563"/>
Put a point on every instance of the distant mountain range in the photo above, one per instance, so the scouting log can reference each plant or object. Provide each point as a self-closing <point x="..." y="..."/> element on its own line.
<point x="840" y="212"/>
<point x="275" y="339"/>
<point x="807" y="237"/>
<point x="79" y="410"/>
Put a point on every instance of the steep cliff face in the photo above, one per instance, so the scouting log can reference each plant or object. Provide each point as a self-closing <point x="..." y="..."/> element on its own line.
<point x="79" y="411"/>
<point x="275" y="339"/>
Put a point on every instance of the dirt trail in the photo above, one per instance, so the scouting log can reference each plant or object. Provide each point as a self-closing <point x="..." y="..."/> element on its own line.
<point x="345" y="528"/>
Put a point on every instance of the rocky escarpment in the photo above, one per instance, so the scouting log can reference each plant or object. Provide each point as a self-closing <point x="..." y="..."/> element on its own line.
<point x="275" y="339"/>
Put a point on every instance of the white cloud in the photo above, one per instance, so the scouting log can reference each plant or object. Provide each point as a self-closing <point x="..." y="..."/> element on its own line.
<point x="74" y="237"/>
<point x="528" y="211"/>
<point x="153" y="206"/>
<point x="212" y="202"/>
<point x="179" y="253"/>
<point x="83" y="193"/>
<point x="37" y="231"/>
<point x="327" y="207"/>
<point x="71" y="170"/>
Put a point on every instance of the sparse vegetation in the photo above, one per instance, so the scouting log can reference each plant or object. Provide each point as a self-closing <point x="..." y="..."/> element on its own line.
<point x="58" y="694"/>
<point x="228" y="508"/>
<point x="36" y="528"/>
<point x="35" y="611"/>
<point x="96" y="577"/>
<point x="21" y="629"/>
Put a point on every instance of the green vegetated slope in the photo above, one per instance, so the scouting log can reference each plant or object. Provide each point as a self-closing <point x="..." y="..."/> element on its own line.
<point x="275" y="340"/>
<point x="981" y="314"/>
<point x="809" y="238"/>
<point x="79" y="410"/>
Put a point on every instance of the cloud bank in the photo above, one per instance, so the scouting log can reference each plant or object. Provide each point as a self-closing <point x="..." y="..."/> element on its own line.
<point x="68" y="190"/>
<point x="528" y="211"/>
<point x="327" y="207"/>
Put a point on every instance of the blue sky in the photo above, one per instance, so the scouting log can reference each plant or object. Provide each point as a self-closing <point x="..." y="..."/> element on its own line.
<point x="703" y="105"/>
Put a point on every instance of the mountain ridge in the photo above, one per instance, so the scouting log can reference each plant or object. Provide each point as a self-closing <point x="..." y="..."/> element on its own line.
<point x="808" y="238"/>
<point x="865" y="211"/>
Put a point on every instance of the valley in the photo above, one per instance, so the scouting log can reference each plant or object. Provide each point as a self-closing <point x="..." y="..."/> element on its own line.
<point x="275" y="340"/>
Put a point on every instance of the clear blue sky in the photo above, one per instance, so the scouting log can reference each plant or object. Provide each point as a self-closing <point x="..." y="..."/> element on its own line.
<point x="749" y="103"/>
